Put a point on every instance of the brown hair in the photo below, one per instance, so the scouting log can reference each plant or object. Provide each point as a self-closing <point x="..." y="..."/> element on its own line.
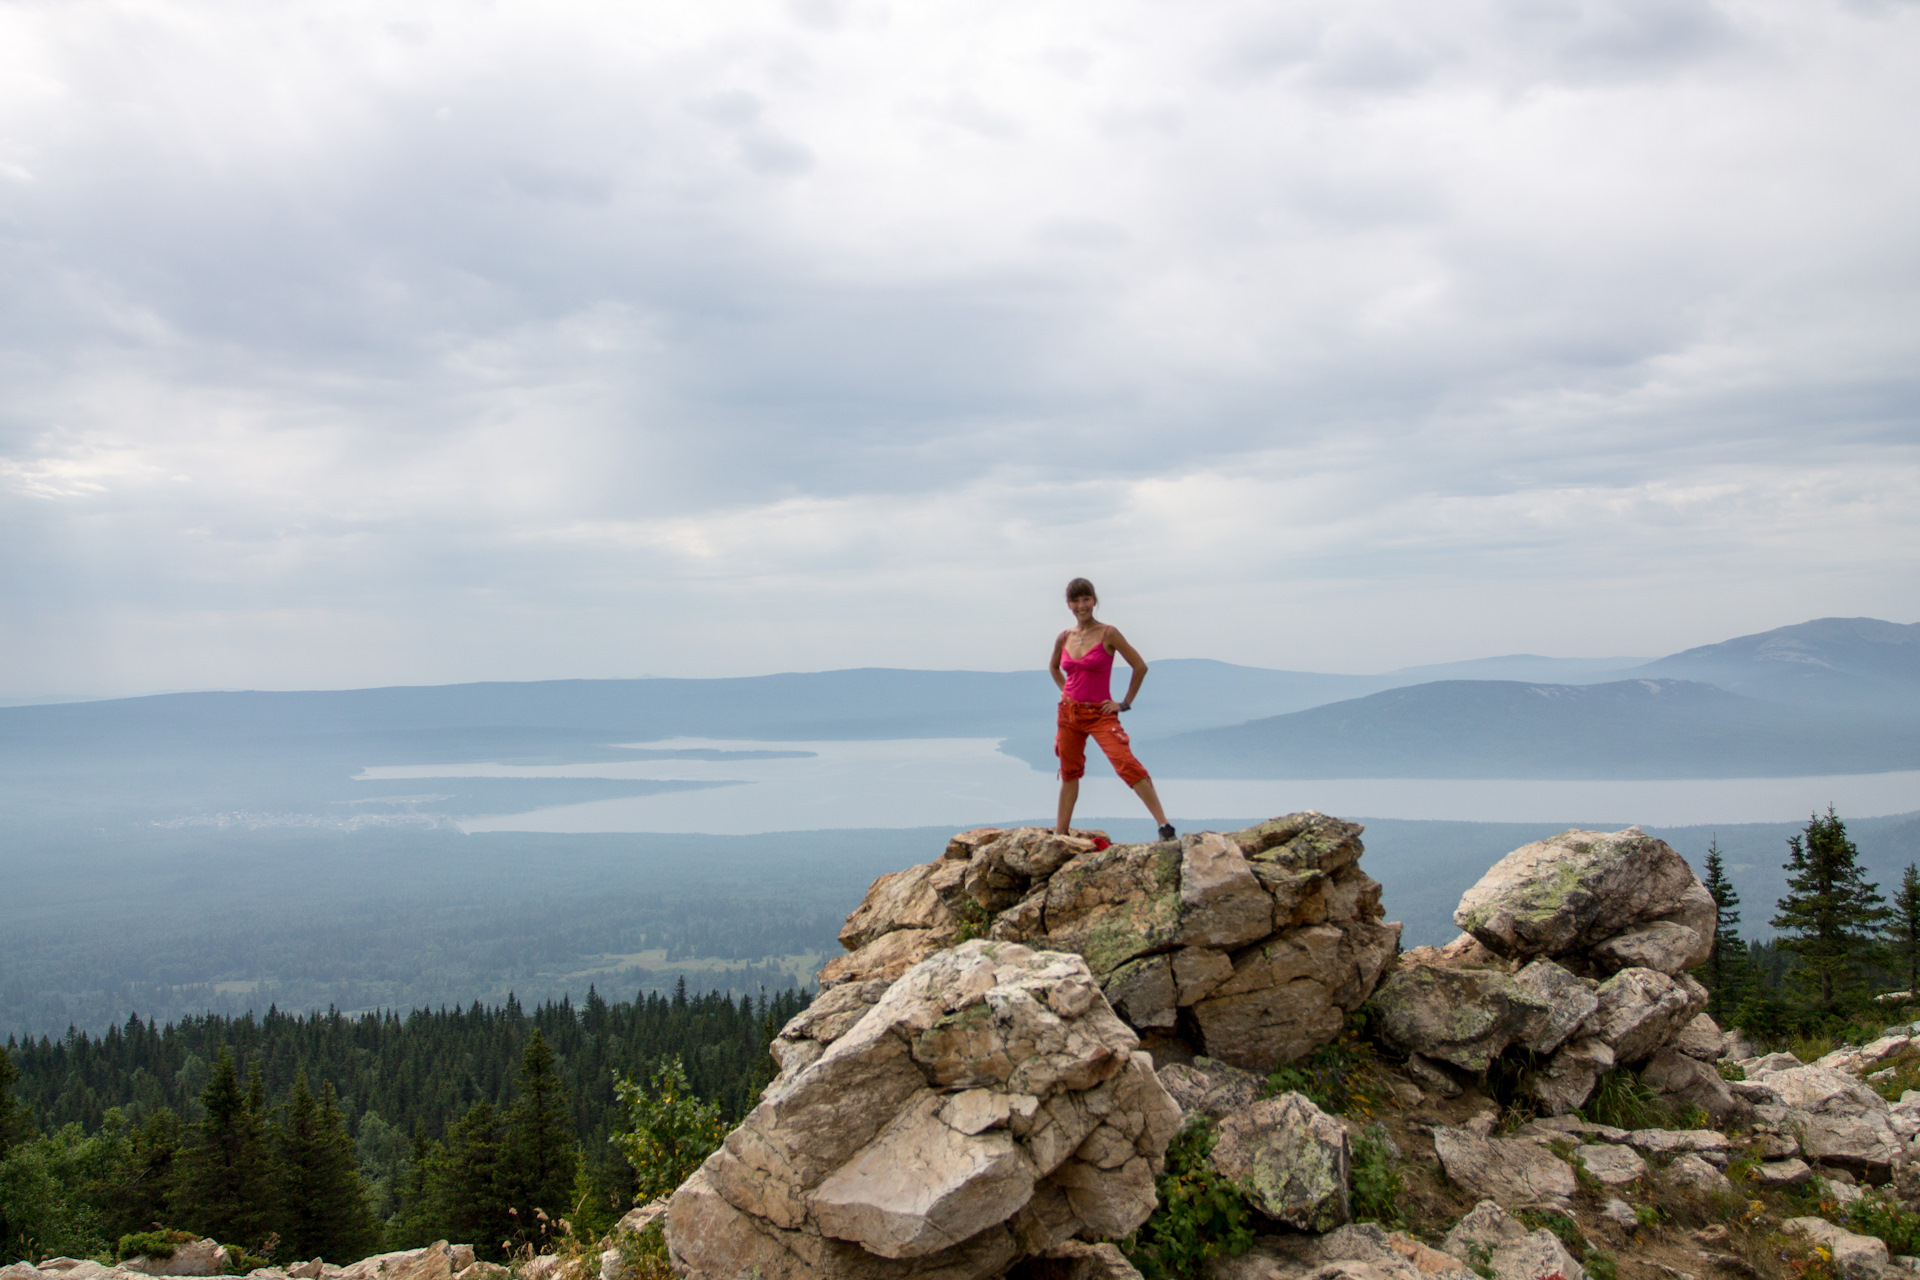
<point x="1081" y="587"/>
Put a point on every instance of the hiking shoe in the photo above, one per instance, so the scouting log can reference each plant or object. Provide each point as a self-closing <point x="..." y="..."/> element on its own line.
<point x="1166" y="832"/>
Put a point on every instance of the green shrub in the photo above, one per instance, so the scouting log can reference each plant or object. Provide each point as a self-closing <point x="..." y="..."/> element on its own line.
<point x="1731" y="1070"/>
<point x="673" y="1131"/>
<point x="1339" y="1078"/>
<point x="645" y="1252"/>
<point x="1200" y="1215"/>
<point x="1376" y="1187"/>
<point x="1560" y="1224"/>
<point x="152" y="1244"/>
<point x="1625" y="1103"/>
<point x="1887" y="1219"/>
<point x="1602" y="1266"/>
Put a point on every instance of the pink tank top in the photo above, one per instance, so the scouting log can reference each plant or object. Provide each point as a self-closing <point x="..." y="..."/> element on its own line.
<point x="1090" y="676"/>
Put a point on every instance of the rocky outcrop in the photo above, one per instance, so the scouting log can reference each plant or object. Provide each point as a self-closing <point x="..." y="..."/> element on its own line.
<point x="986" y="1107"/>
<point x="437" y="1261"/>
<point x="1249" y="947"/>
<point x="1573" y="952"/>
<point x="1620" y="899"/>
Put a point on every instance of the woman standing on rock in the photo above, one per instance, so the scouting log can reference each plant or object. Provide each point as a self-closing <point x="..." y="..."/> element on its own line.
<point x="1082" y="666"/>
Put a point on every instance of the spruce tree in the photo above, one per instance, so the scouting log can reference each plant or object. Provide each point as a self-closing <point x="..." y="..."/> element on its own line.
<point x="13" y="1124"/>
<point x="540" y="1139"/>
<point x="467" y="1183"/>
<point x="140" y="1203"/>
<point x="1905" y="933"/>
<point x="1830" y="919"/>
<point x="1725" y="970"/>
<point x="224" y="1182"/>
<point x="323" y="1205"/>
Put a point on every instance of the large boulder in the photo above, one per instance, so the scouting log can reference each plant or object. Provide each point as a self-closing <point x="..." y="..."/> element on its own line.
<point x="1466" y="1017"/>
<point x="1688" y="1079"/>
<point x="1855" y="1257"/>
<point x="1290" y="1157"/>
<point x="1838" y="1119"/>
<point x="1250" y="947"/>
<point x="1580" y="889"/>
<point x="1640" y="1010"/>
<point x="1490" y="1237"/>
<point x="1509" y="1169"/>
<point x="987" y="1107"/>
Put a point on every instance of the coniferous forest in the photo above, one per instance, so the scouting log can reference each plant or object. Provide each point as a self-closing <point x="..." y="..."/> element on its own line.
<point x="328" y="1135"/>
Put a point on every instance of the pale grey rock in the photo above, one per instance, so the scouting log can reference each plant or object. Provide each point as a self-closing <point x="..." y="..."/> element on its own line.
<point x="1209" y="1087"/>
<point x="639" y="1218"/>
<point x="1739" y="1046"/>
<point x="1570" y="1076"/>
<point x="1641" y="1010"/>
<point x="1222" y="905"/>
<point x="1845" y="1194"/>
<point x="1540" y="1256"/>
<point x="1466" y="1017"/>
<point x="988" y="1106"/>
<point x="1692" y="1171"/>
<point x="1855" y="1257"/>
<point x="1513" y="1170"/>
<point x="1490" y="1235"/>
<point x="1612" y="1166"/>
<point x="1198" y="972"/>
<point x="1432" y="1078"/>
<point x="1142" y="992"/>
<point x="1767" y="1064"/>
<point x="1702" y="1038"/>
<point x="1619" y="1213"/>
<point x="1548" y="1128"/>
<point x="1690" y="1080"/>
<point x="1393" y="1254"/>
<point x="1570" y="1002"/>
<point x="1840" y="1120"/>
<point x="1783" y="1173"/>
<point x="1661" y="945"/>
<point x="1673" y="1142"/>
<point x="1578" y="889"/>
<point x="1859" y="1059"/>
<point x="1290" y="1157"/>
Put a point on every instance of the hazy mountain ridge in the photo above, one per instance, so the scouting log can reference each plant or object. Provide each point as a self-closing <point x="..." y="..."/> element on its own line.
<point x="1505" y="729"/>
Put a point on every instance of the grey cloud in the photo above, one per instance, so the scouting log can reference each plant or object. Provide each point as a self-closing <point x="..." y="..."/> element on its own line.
<point x="399" y="356"/>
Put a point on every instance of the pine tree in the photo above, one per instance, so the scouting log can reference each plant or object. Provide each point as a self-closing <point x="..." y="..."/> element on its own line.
<point x="1905" y="933"/>
<point x="1830" y="919"/>
<point x="323" y="1204"/>
<point x="1725" y="971"/>
<point x="224" y="1183"/>
<point x="540" y="1139"/>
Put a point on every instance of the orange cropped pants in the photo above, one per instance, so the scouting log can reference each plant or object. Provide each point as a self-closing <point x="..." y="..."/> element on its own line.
<point x="1080" y="719"/>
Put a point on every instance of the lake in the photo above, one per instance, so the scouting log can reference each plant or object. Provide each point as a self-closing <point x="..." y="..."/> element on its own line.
<point x="963" y="782"/>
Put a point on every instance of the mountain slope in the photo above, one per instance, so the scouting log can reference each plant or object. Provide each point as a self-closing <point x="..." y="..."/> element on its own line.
<point x="1854" y="662"/>
<point x="1505" y="729"/>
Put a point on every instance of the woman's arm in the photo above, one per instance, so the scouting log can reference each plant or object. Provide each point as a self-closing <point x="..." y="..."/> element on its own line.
<point x="1134" y="660"/>
<point x="1053" y="663"/>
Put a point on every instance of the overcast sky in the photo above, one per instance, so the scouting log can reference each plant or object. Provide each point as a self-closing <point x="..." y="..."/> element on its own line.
<point x="348" y="344"/>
